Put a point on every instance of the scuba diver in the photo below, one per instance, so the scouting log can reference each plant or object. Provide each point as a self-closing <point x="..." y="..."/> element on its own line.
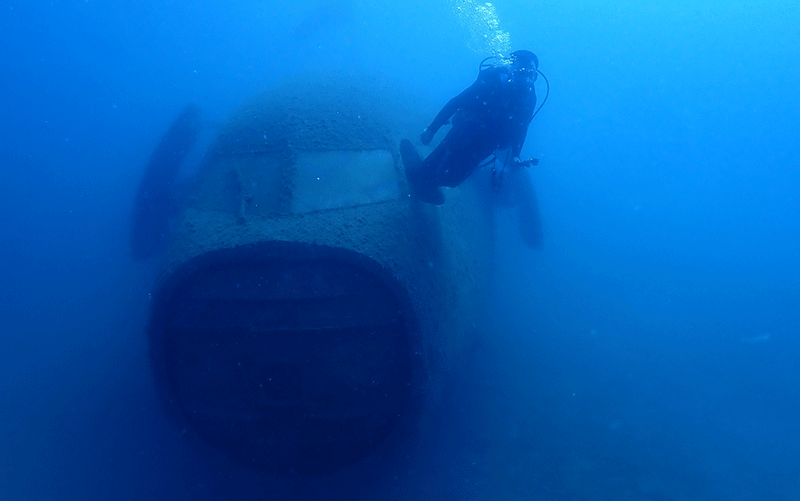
<point x="489" y="121"/>
<point x="491" y="115"/>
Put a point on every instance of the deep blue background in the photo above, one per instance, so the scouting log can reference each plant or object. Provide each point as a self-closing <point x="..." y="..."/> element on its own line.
<point x="650" y="351"/>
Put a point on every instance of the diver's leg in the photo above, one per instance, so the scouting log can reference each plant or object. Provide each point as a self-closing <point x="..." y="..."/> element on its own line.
<point x="468" y="146"/>
<point x="456" y="169"/>
<point x="530" y="221"/>
<point x="419" y="173"/>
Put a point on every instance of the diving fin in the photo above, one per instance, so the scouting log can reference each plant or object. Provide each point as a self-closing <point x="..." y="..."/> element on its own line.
<point x="530" y="220"/>
<point x="423" y="189"/>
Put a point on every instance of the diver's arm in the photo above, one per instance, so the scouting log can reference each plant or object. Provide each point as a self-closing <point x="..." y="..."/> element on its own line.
<point x="450" y="108"/>
<point x="520" y="131"/>
<point x="460" y="101"/>
<point x="518" y="139"/>
<point x="516" y="148"/>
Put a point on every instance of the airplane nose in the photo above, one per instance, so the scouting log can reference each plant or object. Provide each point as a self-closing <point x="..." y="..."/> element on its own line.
<point x="308" y="307"/>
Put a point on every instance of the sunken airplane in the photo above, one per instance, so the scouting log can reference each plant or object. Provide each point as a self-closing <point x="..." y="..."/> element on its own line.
<point x="311" y="316"/>
<point x="158" y="195"/>
<point x="310" y="310"/>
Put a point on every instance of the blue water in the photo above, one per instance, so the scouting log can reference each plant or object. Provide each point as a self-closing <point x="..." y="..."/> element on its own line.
<point x="650" y="350"/>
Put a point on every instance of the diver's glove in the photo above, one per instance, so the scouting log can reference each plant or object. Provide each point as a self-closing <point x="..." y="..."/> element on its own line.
<point x="427" y="136"/>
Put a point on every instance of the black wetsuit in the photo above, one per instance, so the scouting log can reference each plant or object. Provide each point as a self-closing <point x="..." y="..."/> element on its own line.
<point x="493" y="113"/>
